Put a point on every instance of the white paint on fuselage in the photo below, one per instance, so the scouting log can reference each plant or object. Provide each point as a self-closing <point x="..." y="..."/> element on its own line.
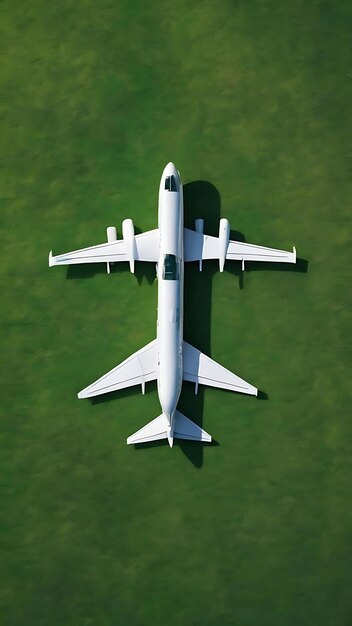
<point x="170" y="299"/>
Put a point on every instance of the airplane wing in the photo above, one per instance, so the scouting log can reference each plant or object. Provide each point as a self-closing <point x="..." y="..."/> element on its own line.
<point x="138" y="369"/>
<point x="198" y="247"/>
<point x="145" y="247"/>
<point x="201" y="369"/>
<point x="239" y="251"/>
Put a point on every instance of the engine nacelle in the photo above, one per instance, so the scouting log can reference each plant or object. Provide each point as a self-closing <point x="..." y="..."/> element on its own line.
<point x="128" y="237"/>
<point x="224" y="238"/>
<point x="111" y="234"/>
<point x="199" y="225"/>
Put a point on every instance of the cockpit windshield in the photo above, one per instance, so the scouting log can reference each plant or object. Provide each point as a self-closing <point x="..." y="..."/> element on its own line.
<point x="170" y="267"/>
<point x="171" y="183"/>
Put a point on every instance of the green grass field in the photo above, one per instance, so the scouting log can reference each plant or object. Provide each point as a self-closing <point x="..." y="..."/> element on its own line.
<point x="252" y="101"/>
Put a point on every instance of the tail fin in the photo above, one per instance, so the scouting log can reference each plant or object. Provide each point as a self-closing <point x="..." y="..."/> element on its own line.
<point x="186" y="429"/>
<point x="154" y="430"/>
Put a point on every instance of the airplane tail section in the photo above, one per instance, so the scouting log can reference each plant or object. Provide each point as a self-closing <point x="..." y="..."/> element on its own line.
<point x="154" y="430"/>
<point x="186" y="429"/>
<point x="159" y="428"/>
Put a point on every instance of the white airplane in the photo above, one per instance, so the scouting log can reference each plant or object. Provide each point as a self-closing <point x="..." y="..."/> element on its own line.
<point x="169" y="359"/>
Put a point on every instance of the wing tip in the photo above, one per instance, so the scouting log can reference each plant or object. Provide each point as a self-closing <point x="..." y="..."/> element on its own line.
<point x="294" y="254"/>
<point x="51" y="259"/>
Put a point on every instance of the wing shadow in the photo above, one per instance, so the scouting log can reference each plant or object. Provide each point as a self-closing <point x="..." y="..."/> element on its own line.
<point x="123" y="393"/>
<point x="201" y="200"/>
<point x="234" y="267"/>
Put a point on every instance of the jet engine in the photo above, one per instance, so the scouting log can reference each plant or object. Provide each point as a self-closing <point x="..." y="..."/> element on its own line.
<point x="112" y="236"/>
<point x="128" y="237"/>
<point x="224" y="238"/>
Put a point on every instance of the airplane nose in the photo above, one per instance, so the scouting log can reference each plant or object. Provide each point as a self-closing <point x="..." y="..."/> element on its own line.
<point x="170" y="170"/>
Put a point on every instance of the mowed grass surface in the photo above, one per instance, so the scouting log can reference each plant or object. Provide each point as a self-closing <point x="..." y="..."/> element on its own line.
<point x="253" y="99"/>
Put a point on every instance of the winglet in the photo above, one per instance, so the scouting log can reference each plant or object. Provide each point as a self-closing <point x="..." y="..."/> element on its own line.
<point x="51" y="259"/>
<point x="295" y="254"/>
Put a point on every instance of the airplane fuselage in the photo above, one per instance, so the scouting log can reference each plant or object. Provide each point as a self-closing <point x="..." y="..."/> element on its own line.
<point x="170" y="294"/>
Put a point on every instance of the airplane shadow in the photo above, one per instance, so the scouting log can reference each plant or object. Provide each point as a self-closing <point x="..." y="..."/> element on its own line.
<point x="202" y="199"/>
<point x="301" y="265"/>
<point x="85" y="271"/>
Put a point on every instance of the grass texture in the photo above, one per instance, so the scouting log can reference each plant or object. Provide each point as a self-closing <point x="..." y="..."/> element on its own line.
<point x="251" y="100"/>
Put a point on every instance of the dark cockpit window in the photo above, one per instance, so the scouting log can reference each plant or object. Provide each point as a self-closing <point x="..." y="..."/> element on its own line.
<point x="170" y="183"/>
<point x="170" y="267"/>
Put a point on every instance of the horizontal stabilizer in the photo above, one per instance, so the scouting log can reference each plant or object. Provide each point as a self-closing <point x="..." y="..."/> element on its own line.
<point x="154" y="430"/>
<point x="186" y="429"/>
